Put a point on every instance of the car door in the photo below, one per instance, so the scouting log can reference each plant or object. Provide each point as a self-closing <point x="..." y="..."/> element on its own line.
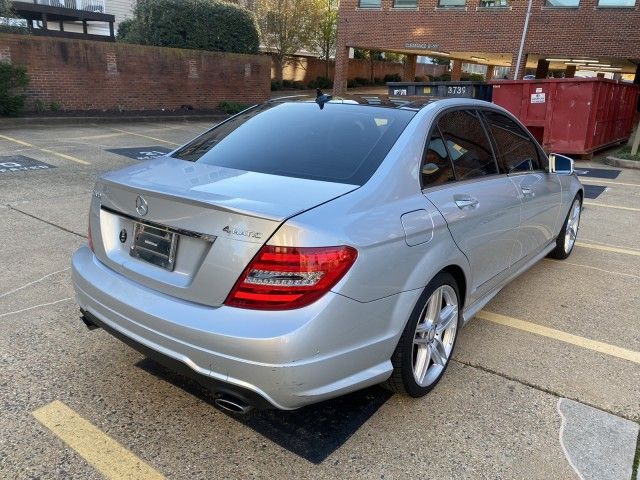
<point x="520" y="157"/>
<point x="481" y="206"/>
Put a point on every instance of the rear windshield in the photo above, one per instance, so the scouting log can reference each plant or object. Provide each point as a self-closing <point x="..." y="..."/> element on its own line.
<point x="339" y="143"/>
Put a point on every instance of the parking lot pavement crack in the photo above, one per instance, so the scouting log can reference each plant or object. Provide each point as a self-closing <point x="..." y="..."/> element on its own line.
<point x="542" y="389"/>
<point x="597" y="444"/>
<point x="33" y="282"/>
<point x="60" y="227"/>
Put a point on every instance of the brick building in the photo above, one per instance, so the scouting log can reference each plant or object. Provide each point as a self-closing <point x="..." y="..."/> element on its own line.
<point x="595" y="35"/>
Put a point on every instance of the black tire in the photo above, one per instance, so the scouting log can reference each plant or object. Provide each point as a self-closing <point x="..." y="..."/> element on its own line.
<point x="402" y="379"/>
<point x="560" y="252"/>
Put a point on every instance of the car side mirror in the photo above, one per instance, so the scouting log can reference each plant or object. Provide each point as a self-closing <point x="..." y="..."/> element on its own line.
<point x="560" y="164"/>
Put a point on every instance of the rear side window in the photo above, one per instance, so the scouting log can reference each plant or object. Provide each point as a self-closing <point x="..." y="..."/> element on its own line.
<point x="339" y="143"/>
<point x="436" y="165"/>
<point x="517" y="152"/>
<point x="467" y="144"/>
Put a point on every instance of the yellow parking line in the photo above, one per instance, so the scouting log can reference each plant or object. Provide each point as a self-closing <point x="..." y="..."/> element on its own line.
<point x="45" y="150"/>
<point x="617" y="207"/>
<point x="146" y="136"/>
<point x="606" y="248"/>
<point x="598" y="181"/>
<point x="97" y="448"/>
<point x="583" y="342"/>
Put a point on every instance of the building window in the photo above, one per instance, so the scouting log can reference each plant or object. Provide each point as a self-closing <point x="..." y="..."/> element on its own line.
<point x="452" y="3"/>
<point x="563" y="3"/>
<point x="494" y="3"/>
<point x="405" y="3"/>
<point x="616" y="3"/>
<point x="370" y="3"/>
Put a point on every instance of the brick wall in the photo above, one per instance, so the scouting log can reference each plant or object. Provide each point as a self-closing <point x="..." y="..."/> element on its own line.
<point x="87" y="75"/>
<point x="558" y="32"/>
<point x="306" y="69"/>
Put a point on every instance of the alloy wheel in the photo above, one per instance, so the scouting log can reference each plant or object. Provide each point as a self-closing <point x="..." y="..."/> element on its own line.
<point x="435" y="335"/>
<point x="572" y="226"/>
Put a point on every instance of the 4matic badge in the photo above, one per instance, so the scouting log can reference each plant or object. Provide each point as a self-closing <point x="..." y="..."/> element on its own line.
<point x="242" y="233"/>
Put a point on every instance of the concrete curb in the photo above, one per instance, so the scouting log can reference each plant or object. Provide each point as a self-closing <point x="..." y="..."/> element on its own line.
<point x="623" y="163"/>
<point x="53" y="121"/>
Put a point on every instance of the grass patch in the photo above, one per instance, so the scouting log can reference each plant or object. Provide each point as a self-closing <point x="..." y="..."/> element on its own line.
<point x="625" y="153"/>
<point x="231" y="108"/>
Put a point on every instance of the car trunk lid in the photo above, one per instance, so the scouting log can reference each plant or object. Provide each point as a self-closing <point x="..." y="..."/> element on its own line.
<point x="187" y="229"/>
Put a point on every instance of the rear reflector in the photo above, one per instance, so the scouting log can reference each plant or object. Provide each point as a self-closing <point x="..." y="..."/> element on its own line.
<point x="284" y="278"/>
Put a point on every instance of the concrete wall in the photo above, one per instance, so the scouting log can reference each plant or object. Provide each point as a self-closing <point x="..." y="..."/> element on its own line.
<point x="88" y="75"/>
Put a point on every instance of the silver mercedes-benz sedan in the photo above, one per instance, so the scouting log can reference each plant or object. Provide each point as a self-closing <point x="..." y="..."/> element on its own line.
<point x="310" y="247"/>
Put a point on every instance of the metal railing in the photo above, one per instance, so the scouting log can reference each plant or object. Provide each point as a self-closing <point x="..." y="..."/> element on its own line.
<point x="87" y="5"/>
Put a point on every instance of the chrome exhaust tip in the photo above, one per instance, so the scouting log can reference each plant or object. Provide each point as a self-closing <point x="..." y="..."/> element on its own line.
<point x="233" y="404"/>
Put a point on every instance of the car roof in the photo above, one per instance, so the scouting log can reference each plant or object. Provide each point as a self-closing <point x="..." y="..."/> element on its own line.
<point x="385" y="101"/>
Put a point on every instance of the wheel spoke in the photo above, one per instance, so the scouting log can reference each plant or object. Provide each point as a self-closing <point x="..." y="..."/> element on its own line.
<point x="448" y="315"/>
<point x="422" y="328"/>
<point x="421" y="363"/>
<point x="435" y="303"/>
<point x="438" y="352"/>
<point x="420" y="341"/>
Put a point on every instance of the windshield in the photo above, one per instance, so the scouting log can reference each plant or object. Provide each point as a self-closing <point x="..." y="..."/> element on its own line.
<point x="338" y="143"/>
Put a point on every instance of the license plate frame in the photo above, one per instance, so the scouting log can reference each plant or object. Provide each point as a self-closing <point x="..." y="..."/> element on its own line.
<point x="154" y="245"/>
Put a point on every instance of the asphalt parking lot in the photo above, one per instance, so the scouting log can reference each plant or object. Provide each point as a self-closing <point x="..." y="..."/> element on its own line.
<point x="545" y="382"/>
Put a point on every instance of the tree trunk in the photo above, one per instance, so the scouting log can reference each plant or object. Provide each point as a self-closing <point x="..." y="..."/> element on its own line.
<point x="371" y="60"/>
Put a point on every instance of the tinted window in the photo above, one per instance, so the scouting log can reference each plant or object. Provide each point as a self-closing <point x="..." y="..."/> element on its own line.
<point x="516" y="151"/>
<point x="467" y="144"/>
<point x="369" y="3"/>
<point x="338" y="143"/>
<point x="436" y="165"/>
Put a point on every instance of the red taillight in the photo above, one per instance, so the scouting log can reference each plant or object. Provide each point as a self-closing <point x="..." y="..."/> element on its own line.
<point x="89" y="237"/>
<point x="283" y="278"/>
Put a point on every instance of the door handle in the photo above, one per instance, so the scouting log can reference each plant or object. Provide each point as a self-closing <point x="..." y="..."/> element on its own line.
<point x="464" y="201"/>
<point x="527" y="192"/>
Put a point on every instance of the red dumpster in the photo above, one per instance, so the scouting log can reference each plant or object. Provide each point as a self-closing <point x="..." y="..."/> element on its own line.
<point x="571" y="116"/>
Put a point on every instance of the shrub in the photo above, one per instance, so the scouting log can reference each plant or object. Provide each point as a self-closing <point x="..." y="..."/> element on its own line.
<point x="232" y="108"/>
<point x="39" y="106"/>
<point x="194" y="24"/>
<point x="321" y="82"/>
<point x="392" y="77"/>
<point x="291" y="85"/>
<point x="13" y="81"/>
<point x="361" y="81"/>
<point x="472" y="77"/>
<point x="275" y="85"/>
<point x="55" y="106"/>
<point x="351" y="84"/>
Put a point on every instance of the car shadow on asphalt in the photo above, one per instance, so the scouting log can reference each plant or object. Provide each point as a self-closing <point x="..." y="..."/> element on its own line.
<point x="312" y="432"/>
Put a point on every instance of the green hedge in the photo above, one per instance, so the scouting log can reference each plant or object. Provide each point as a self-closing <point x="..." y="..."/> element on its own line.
<point x="192" y="24"/>
<point x="13" y="80"/>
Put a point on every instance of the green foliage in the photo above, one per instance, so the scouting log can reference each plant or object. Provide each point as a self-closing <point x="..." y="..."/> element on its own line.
<point x="324" y="29"/>
<point x="13" y="81"/>
<point x="625" y="153"/>
<point x="39" y="106"/>
<point x="472" y="77"/>
<point x="127" y="32"/>
<point x="392" y="77"/>
<point x="232" y="108"/>
<point x="55" y="106"/>
<point x="321" y="83"/>
<point x="194" y="24"/>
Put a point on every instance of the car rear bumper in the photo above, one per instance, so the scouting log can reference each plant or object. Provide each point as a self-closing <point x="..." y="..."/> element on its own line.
<point x="288" y="358"/>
